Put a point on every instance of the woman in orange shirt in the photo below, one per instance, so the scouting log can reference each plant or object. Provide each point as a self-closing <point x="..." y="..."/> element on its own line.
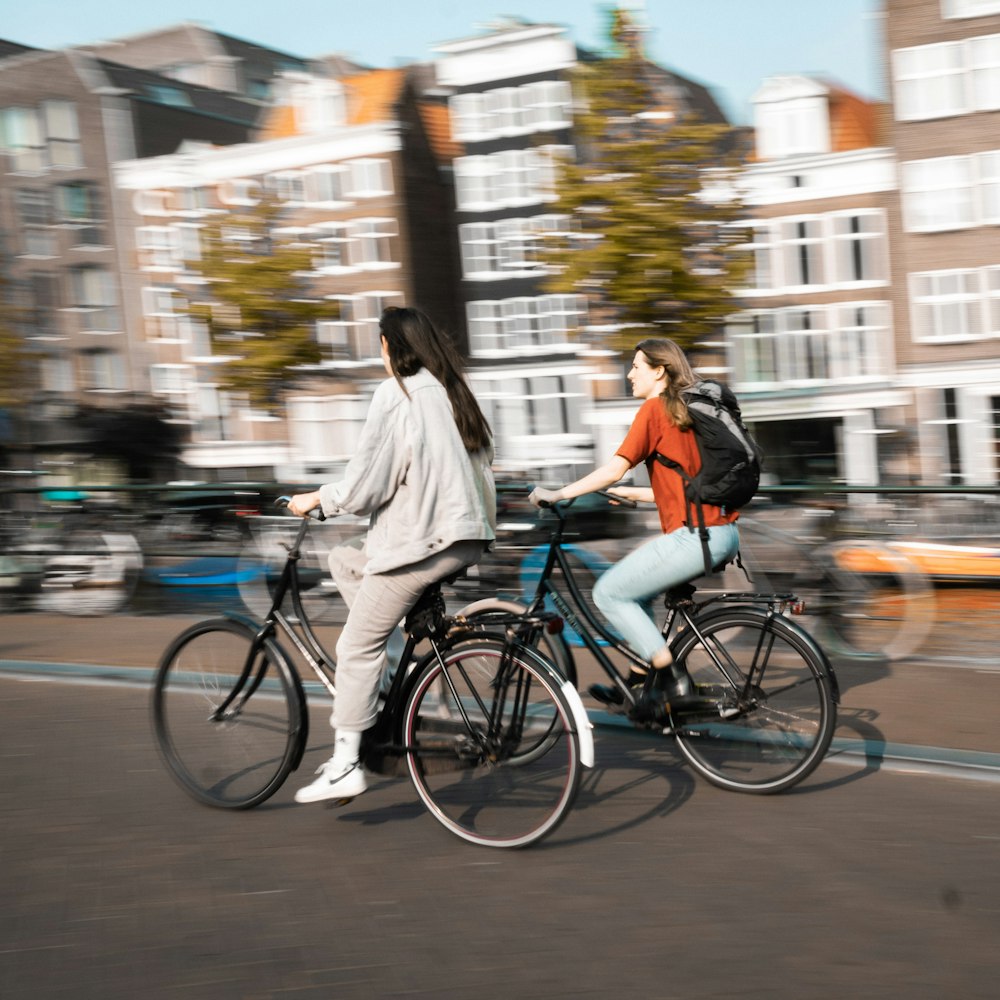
<point x="660" y="372"/>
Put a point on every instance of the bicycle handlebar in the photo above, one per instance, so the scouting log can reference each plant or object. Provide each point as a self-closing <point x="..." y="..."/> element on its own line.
<point x="316" y="513"/>
<point x="545" y="505"/>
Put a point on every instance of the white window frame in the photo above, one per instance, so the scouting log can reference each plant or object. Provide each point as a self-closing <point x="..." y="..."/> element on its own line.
<point x="983" y="61"/>
<point x="943" y="198"/>
<point x="373" y="242"/>
<point x="171" y="379"/>
<point x="925" y="89"/>
<point x="369" y="178"/>
<point x="955" y="9"/>
<point x="524" y="324"/>
<point x="959" y="314"/>
<point x="870" y="245"/>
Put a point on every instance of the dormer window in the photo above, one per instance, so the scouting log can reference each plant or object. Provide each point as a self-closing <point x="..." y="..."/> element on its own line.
<point x="791" y="118"/>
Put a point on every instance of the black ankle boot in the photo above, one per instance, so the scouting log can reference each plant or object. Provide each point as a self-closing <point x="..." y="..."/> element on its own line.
<point x="609" y="694"/>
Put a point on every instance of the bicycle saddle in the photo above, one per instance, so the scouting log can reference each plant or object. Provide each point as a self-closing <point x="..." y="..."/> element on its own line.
<point x="426" y="619"/>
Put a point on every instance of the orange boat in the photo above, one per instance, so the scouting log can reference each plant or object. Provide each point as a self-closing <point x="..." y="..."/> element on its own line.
<point x="943" y="562"/>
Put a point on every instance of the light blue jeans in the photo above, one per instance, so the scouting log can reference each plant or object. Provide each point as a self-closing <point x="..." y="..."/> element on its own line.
<point x="654" y="567"/>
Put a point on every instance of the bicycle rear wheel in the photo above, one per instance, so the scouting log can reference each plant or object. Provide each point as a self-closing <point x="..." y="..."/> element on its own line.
<point x="229" y="736"/>
<point x="492" y="744"/>
<point x="777" y="705"/>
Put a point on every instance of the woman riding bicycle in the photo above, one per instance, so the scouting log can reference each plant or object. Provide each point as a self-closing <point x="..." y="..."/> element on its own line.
<point x="422" y="471"/>
<point x="659" y="374"/>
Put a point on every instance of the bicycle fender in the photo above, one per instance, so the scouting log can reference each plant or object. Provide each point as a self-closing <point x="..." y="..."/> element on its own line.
<point x="584" y="727"/>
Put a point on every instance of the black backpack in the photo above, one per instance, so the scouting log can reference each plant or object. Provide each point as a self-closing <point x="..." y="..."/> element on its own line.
<point x="730" y="457"/>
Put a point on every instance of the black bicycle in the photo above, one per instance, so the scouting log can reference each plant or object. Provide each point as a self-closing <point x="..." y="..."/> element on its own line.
<point x="491" y="735"/>
<point x="767" y="705"/>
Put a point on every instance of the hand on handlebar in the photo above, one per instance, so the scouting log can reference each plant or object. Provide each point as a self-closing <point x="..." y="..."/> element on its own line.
<point x="541" y="497"/>
<point x="303" y="504"/>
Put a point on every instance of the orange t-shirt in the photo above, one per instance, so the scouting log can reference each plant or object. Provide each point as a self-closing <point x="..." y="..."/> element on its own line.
<point x="654" y="430"/>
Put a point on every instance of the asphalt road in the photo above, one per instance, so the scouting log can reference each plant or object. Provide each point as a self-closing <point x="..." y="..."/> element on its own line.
<point x="863" y="882"/>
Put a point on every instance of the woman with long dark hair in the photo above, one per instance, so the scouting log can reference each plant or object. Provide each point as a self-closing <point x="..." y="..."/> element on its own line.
<point x="422" y="473"/>
<point x="660" y="373"/>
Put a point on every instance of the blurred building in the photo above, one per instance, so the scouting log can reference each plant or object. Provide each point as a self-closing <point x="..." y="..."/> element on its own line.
<point x="356" y="165"/>
<point x="943" y="62"/>
<point x="812" y="355"/>
<point x="65" y="117"/>
<point x="511" y="102"/>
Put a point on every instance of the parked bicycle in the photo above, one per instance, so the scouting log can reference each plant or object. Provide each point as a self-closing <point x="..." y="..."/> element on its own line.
<point x="868" y="600"/>
<point x="768" y="704"/>
<point x="491" y="735"/>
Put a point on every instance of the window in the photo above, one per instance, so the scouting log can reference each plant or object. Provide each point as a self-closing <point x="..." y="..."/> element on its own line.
<point x="793" y="127"/>
<point x="354" y="336"/>
<point x="163" y="309"/>
<point x="845" y="342"/>
<point x="334" y="241"/>
<point x="861" y="332"/>
<point x="168" y="380"/>
<point x="374" y="239"/>
<point x="57" y="374"/>
<point x="23" y="139"/>
<point x="42" y="304"/>
<point x="288" y="186"/>
<point x="991" y="276"/>
<point x="507" y="178"/>
<point x="173" y="97"/>
<point x="63" y="134"/>
<point x="752" y="338"/>
<point x="946" y="305"/>
<point x="370" y="178"/>
<point x="802" y="252"/>
<point x="543" y="105"/>
<point x="983" y="56"/>
<point x="938" y="194"/>
<point x="969" y="8"/>
<point x="103" y="371"/>
<point x="95" y="299"/>
<point x="930" y="81"/>
<point x="524" y="324"/>
<point x="988" y="168"/>
<point x="326" y="184"/>
<point x="34" y="214"/>
<point x="239" y="192"/>
<point x="78" y="208"/>
<point x="859" y="247"/>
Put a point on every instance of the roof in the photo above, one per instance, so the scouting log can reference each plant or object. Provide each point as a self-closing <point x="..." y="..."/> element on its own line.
<point x="164" y="90"/>
<point x="854" y="122"/>
<point x="372" y="97"/>
<point x="13" y="48"/>
<point x="437" y="125"/>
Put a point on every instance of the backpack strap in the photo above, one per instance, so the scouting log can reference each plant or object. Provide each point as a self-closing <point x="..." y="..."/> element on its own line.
<point x="693" y="510"/>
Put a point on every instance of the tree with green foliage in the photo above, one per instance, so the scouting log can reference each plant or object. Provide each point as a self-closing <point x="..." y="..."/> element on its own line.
<point x="648" y="243"/>
<point x="262" y="314"/>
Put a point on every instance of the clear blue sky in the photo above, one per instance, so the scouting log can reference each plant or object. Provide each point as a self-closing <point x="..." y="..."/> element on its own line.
<point x="730" y="45"/>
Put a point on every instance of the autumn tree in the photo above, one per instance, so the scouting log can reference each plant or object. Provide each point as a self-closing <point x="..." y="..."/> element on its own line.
<point x="262" y="313"/>
<point x="652" y="237"/>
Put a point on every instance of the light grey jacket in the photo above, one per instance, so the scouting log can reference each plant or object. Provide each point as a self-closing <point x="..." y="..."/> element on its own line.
<point x="412" y="474"/>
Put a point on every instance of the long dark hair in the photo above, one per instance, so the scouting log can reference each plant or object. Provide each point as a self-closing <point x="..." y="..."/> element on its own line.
<point x="680" y="375"/>
<point x="414" y="343"/>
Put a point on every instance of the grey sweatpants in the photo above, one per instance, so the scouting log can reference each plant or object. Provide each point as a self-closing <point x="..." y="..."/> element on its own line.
<point x="378" y="603"/>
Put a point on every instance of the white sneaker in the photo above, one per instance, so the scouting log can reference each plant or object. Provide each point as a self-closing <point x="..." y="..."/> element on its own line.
<point x="336" y="781"/>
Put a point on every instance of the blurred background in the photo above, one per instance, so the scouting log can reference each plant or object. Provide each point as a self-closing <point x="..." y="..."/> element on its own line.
<point x="199" y="233"/>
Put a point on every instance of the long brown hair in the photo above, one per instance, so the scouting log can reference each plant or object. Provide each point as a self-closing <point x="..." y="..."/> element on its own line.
<point x="680" y="375"/>
<point x="414" y="343"/>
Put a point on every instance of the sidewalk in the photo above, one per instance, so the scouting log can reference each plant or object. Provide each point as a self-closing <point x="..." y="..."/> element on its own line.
<point x="907" y="702"/>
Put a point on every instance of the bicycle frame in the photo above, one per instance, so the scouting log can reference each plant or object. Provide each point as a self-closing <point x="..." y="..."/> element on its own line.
<point x="683" y="611"/>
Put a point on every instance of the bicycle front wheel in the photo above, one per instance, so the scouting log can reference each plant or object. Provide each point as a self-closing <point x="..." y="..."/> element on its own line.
<point x="230" y="726"/>
<point x="491" y="742"/>
<point x="776" y="709"/>
<point x="873" y="600"/>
